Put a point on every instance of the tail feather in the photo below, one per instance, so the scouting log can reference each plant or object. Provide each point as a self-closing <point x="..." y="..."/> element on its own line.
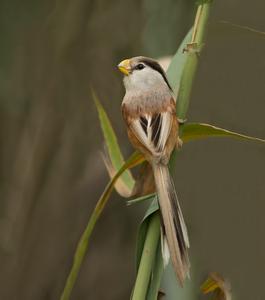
<point x="173" y="222"/>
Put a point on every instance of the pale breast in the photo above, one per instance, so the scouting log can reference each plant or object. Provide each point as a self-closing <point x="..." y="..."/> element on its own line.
<point x="149" y="102"/>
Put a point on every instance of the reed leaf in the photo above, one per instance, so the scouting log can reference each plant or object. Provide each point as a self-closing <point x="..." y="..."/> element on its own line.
<point x="198" y="131"/>
<point x="113" y="159"/>
<point x="175" y="69"/>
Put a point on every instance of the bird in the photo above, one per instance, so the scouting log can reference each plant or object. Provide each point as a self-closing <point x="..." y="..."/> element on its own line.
<point x="149" y="111"/>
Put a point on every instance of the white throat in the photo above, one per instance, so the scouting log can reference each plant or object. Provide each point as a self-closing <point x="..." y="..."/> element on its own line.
<point x="144" y="80"/>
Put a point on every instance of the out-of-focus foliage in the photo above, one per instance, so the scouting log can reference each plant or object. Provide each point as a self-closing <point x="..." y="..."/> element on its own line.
<point x="51" y="168"/>
<point x="170" y="18"/>
<point x="218" y="286"/>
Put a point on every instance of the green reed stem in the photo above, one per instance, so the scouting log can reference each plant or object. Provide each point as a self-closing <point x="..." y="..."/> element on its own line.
<point x="147" y="259"/>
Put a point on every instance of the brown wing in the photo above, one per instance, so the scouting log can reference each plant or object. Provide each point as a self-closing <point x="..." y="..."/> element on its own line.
<point x="150" y="131"/>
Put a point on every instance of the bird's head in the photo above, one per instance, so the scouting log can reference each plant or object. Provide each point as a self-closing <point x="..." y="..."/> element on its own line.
<point x="143" y="73"/>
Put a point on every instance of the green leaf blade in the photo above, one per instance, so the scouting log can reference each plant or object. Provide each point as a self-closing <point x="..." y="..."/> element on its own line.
<point x="198" y="131"/>
<point x="113" y="147"/>
<point x="175" y="69"/>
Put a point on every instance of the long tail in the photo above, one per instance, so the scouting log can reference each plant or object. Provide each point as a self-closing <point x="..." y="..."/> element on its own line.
<point x="173" y="223"/>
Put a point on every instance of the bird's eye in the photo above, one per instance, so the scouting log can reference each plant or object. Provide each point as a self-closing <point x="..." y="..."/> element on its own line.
<point x="139" y="67"/>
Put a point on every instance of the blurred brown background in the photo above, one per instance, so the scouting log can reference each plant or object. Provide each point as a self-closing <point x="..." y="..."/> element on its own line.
<point x="51" y="170"/>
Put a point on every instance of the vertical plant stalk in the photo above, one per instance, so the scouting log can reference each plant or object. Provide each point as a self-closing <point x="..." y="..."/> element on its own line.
<point x="157" y="275"/>
<point x="192" y="50"/>
<point x="147" y="259"/>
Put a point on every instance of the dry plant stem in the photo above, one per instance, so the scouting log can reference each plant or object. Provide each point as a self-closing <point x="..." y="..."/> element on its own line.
<point x="80" y="252"/>
<point x="182" y="107"/>
<point x="147" y="259"/>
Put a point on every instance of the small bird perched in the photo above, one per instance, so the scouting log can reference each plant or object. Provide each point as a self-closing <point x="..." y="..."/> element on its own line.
<point x="149" y="111"/>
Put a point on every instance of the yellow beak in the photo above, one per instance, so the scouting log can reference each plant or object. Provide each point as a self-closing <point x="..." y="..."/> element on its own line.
<point x="125" y="67"/>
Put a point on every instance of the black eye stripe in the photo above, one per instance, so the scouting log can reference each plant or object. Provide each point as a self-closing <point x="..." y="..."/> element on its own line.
<point x="156" y="66"/>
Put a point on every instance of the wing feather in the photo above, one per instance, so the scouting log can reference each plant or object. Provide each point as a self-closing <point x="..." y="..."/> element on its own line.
<point x="153" y="131"/>
<point x="166" y="124"/>
<point x="142" y="133"/>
